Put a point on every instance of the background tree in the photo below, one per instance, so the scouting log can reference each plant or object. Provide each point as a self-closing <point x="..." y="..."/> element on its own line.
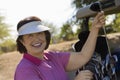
<point x="66" y="32"/>
<point x="6" y="43"/>
<point x="54" y="30"/>
<point x="4" y="31"/>
<point x="116" y="23"/>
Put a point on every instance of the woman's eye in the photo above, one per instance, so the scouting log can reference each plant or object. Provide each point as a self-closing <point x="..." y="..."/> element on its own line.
<point x="30" y="35"/>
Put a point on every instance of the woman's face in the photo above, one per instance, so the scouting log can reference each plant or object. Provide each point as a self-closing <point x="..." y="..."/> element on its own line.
<point x="34" y="43"/>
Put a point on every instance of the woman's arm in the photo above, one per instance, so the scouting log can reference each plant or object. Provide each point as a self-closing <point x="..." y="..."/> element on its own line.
<point x="78" y="59"/>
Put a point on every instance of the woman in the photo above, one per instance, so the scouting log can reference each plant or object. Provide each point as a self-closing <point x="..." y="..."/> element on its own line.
<point x="38" y="64"/>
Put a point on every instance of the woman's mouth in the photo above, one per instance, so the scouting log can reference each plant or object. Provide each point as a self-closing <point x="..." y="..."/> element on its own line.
<point x="37" y="45"/>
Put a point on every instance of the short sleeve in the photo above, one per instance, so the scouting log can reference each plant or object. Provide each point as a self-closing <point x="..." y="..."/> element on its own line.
<point x="61" y="57"/>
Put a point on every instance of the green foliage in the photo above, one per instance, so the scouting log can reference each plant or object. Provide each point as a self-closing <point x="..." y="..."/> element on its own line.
<point x="108" y="29"/>
<point x="66" y="32"/>
<point x="4" y="31"/>
<point x="53" y="28"/>
<point x="7" y="45"/>
<point x="116" y="23"/>
<point x="54" y="32"/>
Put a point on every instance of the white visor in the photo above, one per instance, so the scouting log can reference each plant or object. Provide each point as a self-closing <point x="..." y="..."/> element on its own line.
<point x="32" y="27"/>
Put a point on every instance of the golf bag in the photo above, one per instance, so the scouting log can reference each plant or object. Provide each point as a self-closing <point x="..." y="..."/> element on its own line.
<point x="103" y="66"/>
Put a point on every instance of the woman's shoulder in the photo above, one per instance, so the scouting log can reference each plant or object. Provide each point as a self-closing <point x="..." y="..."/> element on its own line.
<point x="24" y="64"/>
<point x="56" y="54"/>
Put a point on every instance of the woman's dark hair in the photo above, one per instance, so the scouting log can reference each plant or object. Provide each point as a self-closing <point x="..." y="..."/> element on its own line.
<point x="20" y="47"/>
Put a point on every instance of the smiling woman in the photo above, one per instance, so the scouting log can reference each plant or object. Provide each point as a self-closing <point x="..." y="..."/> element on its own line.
<point x="33" y="39"/>
<point x="39" y="64"/>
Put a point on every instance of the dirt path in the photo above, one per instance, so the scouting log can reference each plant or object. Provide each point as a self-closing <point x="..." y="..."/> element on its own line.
<point x="8" y="64"/>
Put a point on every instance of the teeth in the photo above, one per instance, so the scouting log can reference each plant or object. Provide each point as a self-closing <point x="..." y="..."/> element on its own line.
<point x="38" y="44"/>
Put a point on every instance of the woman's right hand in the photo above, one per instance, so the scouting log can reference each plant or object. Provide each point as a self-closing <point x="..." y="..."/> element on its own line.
<point x="84" y="75"/>
<point x="99" y="20"/>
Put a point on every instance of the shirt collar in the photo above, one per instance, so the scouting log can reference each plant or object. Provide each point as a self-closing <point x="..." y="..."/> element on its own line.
<point x="33" y="59"/>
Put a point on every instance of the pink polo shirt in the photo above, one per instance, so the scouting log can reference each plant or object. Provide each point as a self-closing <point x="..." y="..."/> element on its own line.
<point x="51" y="68"/>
